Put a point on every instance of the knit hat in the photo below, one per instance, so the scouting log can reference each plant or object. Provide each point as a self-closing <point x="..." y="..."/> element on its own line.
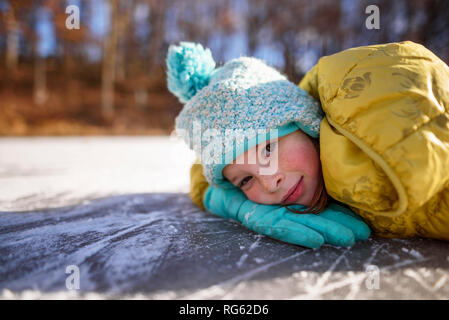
<point x="232" y="108"/>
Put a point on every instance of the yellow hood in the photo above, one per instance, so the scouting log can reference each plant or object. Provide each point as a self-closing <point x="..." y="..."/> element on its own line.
<point x="385" y="139"/>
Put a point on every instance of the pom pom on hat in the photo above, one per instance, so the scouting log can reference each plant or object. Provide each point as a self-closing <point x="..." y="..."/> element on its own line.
<point x="189" y="68"/>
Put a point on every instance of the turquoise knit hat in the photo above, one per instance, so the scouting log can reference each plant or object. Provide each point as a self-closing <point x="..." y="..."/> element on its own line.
<point x="230" y="109"/>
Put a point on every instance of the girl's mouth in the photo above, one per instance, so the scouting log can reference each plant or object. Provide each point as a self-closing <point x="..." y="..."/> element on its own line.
<point x="295" y="192"/>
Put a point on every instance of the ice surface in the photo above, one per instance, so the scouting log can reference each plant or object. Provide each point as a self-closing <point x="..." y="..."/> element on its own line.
<point x="118" y="209"/>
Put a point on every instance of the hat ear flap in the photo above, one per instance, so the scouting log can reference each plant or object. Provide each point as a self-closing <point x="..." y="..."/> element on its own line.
<point x="189" y="68"/>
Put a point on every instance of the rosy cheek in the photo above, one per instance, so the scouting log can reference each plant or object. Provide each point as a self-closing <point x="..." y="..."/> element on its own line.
<point x="303" y="158"/>
<point x="294" y="160"/>
<point x="254" y="194"/>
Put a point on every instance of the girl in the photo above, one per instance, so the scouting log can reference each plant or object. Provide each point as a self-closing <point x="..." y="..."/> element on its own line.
<point x="367" y="127"/>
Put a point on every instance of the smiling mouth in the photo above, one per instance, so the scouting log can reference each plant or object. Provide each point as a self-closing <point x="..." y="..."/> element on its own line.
<point x="294" y="192"/>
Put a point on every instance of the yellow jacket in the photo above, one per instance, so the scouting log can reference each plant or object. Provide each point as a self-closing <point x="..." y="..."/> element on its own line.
<point x="384" y="143"/>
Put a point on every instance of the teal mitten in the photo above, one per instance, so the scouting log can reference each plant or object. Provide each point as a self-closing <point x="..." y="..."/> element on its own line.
<point x="336" y="225"/>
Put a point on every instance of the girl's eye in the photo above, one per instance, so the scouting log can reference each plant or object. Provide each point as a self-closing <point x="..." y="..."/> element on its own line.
<point x="268" y="148"/>
<point x="244" y="181"/>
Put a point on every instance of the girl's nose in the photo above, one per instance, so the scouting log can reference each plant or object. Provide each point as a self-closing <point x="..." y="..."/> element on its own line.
<point x="271" y="183"/>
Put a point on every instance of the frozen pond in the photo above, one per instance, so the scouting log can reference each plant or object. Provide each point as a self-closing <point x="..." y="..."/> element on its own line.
<point x="117" y="210"/>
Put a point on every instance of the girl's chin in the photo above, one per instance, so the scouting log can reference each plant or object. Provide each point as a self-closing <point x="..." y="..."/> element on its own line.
<point x="302" y="202"/>
<point x="306" y="199"/>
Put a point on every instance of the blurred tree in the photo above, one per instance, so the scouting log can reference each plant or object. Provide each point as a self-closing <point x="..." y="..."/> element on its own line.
<point x="125" y="22"/>
<point x="156" y="55"/>
<point x="70" y="43"/>
<point x="113" y="67"/>
<point x="256" y="18"/>
<point x="110" y="63"/>
<point x="12" y="40"/>
<point x="428" y="23"/>
<point x="14" y="23"/>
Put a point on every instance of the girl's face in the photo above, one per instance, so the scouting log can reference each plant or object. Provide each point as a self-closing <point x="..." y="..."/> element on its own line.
<point x="296" y="171"/>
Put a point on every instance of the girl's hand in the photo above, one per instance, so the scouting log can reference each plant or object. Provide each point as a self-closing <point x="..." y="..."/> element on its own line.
<point x="336" y="225"/>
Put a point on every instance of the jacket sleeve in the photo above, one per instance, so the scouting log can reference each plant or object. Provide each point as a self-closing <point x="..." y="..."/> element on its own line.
<point x="198" y="184"/>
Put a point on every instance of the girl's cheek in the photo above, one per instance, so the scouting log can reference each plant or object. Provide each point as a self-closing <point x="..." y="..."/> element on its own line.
<point x="297" y="159"/>
<point x="258" y="195"/>
<point x="292" y="160"/>
<point x="251" y="195"/>
<point x="254" y="195"/>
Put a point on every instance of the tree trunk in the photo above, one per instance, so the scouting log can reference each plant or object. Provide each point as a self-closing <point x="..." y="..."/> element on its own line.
<point x="40" y="93"/>
<point x="125" y="19"/>
<point x="158" y="11"/>
<point x="12" y="41"/>
<point x="290" y="57"/>
<point x="109" y="64"/>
